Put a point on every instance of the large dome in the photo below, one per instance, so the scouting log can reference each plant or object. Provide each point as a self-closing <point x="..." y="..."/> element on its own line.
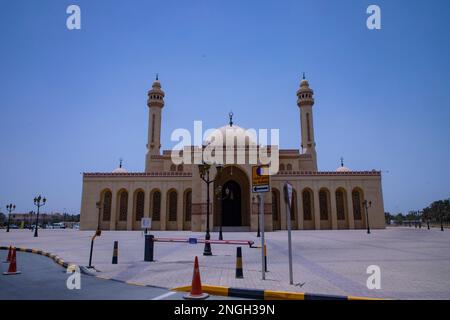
<point x="232" y="133"/>
<point x="119" y="170"/>
<point x="342" y="169"/>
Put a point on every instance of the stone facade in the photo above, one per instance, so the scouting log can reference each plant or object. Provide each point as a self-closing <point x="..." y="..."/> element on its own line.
<point x="175" y="196"/>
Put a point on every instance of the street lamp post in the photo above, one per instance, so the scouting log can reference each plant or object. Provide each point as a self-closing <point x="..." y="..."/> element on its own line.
<point x="442" y="217"/>
<point x="367" y="205"/>
<point x="10" y="207"/>
<point x="99" y="207"/>
<point x="38" y="202"/>
<point x="204" y="175"/>
<point x="220" y="199"/>
<point x="98" y="232"/>
<point x="258" y="233"/>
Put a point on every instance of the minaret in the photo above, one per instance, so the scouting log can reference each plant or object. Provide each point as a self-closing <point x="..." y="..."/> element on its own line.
<point x="155" y="104"/>
<point x="305" y="101"/>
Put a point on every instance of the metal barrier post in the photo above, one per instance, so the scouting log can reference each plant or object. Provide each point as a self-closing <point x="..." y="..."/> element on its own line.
<point x="149" y="244"/>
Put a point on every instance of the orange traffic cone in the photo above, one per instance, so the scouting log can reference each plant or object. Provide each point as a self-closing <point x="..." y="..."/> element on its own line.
<point x="196" y="288"/>
<point x="12" y="266"/>
<point x="8" y="259"/>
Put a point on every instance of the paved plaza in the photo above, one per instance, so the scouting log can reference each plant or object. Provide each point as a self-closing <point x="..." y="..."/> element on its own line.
<point x="415" y="263"/>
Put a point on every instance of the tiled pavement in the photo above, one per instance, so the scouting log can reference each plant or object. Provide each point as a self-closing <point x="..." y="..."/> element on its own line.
<point x="414" y="263"/>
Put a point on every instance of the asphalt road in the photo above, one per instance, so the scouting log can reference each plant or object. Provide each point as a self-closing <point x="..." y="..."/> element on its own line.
<point x="43" y="279"/>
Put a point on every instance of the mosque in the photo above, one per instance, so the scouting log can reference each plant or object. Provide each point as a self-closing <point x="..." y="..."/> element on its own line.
<point x="175" y="196"/>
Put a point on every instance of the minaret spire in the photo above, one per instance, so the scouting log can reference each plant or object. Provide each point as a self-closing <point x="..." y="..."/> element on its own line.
<point x="305" y="102"/>
<point x="120" y="162"/>
<point x="230" y="115"/>
<point x="155" y="105"/>
<point x="342" y="161"/>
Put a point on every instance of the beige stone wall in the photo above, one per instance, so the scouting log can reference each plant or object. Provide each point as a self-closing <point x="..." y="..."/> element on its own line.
<point x="369" y="183"/>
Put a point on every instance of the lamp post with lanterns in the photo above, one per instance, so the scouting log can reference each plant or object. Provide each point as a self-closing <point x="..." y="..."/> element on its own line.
<point x="204" y="175"/>
<point x="367" y="205"/>
<point x="38" y="202"/>
<point x="220" y="198"/>
<point x="98" y="232"/>
<point x="10" y="207"/>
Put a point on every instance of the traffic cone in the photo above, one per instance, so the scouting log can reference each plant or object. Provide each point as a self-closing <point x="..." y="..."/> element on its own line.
<point x="8" y="259"/>
<point x="12" y="266"/>
<point x="239" y="271"/>
<point x="115" y="252"/>
<point x="196" y="288"/>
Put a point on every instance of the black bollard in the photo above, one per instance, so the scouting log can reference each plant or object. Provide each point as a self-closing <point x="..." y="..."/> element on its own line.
<point x="149" y="244"/>
<point x="265" y="258"/>
<point x="115" y="252"/>
<point x="239" y="271"/>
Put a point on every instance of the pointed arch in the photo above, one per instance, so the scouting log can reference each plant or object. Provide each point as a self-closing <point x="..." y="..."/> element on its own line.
<point x="325" y="208"/>
<point x="155" y="208"/>
<point x="138" y="208"/>
<point x="308" y="209"/>
<point x="187" y="209"/>
<point x="341" y="208"/>
<point x="294" y="210"/>
<point x="276" y="217"/>
<point x="357" y="201"/>
<point x="172" y="209"/>
<point x="106" y="202"/>
<point x="122" y="209"/>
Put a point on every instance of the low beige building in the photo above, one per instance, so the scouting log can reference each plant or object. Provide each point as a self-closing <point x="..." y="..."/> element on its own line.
<point x="175" y="196"/>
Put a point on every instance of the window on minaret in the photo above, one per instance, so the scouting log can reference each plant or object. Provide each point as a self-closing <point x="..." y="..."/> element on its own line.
<point x="340" y="206"/>
<point x="308" y="127"/>
<point x="156" y="206"/>
<point x="140" y="198"/>
<point x="123" y="206"/>
<point x="153" y="128"/>
<point x="173" y="206"/>
<point x="107" y="197"/>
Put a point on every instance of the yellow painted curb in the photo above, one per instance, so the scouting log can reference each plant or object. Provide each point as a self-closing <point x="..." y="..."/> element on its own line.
<point x="71" y="268"/>
<point x="268" y="294"/>
<point x="353" y="298"/>
<point x="182" y="289"/>
<point x="136" y="283"/>
<point x="283" y="295"/>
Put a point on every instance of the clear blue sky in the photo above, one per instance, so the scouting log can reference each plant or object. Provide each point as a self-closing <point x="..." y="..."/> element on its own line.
<point x="75" y="101"/>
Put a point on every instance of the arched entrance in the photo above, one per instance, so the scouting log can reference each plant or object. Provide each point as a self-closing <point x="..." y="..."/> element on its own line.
<point x="232" y="208"/>
<point x="231" y="204"/>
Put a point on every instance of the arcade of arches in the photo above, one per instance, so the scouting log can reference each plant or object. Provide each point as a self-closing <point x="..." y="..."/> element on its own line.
<point x="234" y="205"/>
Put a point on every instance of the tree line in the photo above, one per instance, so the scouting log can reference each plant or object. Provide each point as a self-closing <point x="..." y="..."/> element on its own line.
<point x="436" y="211"/>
